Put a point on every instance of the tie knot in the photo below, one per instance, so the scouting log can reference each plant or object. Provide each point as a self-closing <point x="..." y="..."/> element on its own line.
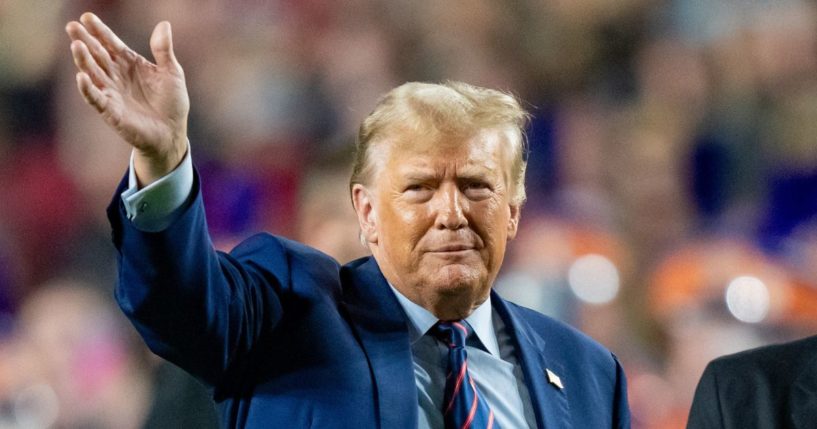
<point x="452" y="333"/>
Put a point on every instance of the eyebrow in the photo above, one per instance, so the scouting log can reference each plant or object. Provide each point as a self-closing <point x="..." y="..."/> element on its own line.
<point x="420" y="176"/>
<point x="472" y="173"/>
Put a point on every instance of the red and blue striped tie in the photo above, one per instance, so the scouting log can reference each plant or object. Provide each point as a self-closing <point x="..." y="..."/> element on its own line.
<point x="463" y="406"/>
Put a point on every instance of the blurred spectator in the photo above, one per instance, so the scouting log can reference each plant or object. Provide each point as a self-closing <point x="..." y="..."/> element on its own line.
<point x="75" y="363"/>
<point x="719" y="295"/>
<point x="326" y="218"/>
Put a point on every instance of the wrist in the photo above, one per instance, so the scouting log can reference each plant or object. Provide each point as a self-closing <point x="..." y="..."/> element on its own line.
<point x="150" y="166"/>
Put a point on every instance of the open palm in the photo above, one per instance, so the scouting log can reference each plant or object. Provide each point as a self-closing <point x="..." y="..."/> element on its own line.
<point x="146" y="103"/>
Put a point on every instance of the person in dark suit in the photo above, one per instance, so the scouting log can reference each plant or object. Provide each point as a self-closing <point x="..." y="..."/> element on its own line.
<point x="285" y="336"/>
<point x="768" y="387"/>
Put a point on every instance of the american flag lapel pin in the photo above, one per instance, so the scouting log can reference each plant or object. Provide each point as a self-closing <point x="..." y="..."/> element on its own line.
<point x="554" y="379"/>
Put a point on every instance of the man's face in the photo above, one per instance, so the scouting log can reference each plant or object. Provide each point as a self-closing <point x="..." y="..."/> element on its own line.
<point x="437" y="216"/>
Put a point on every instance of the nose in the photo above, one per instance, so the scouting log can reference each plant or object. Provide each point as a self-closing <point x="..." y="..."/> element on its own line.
<point x="451" y="208"/>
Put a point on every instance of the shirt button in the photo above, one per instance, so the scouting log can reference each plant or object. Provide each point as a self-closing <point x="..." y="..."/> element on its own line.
<point x="143" y="206"/>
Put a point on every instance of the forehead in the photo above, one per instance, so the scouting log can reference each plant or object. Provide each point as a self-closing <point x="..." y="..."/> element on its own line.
<point x="487" y="148"/>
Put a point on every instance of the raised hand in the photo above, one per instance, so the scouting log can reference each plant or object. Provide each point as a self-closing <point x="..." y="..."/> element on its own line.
<point x="146" y="103"/>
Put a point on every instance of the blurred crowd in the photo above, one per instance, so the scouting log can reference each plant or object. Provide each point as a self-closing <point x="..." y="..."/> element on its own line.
<point x="672" y="178"/>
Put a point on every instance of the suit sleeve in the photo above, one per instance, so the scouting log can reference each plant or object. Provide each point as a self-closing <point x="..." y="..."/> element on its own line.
<point x="198" y="308"/>
<point x="706" y="408"/>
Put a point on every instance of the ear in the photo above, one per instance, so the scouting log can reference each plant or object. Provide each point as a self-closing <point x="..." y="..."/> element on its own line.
<point x="363" y="201"/>
<point x="513" y="220"/>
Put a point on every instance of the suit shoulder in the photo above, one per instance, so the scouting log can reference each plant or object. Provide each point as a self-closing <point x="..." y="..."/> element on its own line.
<point x="562" y="333"/>
<point x="772" y="361"/>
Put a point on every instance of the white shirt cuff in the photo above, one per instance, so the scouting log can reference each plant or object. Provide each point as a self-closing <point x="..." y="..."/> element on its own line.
<point x="157" y="205"/>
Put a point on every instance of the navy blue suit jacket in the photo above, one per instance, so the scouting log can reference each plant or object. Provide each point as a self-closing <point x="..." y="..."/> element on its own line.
<point x="286" y="337"/>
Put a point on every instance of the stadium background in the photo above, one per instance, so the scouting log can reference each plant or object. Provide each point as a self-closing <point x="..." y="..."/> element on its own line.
<point x="672" y="175"/>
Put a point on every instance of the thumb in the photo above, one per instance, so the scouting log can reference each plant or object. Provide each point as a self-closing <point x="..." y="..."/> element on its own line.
<point x="161" y="45"/>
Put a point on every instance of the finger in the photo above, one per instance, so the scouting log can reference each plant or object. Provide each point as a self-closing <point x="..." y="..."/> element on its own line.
<point x="108" y="38"/>
<point x="90" y="92"/>
<point x="68" y="28"/>
<point x="161" y="45"/>
<point x="78" y="32"/>
<point x="87" y="64"/>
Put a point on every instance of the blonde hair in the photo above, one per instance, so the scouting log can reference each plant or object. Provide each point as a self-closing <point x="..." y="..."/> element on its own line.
<point x="451" y="108"/>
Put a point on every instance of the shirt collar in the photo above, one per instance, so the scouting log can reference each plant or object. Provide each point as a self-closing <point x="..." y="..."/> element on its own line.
<point x="421" y="320"/>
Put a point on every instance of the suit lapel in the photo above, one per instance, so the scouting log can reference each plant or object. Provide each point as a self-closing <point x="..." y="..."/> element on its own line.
<point x="804" y="397"/>
<point x="549" y="401"/>
<point x="381" y="327"/>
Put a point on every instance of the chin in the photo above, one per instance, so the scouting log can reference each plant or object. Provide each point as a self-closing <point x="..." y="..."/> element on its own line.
<point x="460" y="286"/>
<point x="459" y="277"/>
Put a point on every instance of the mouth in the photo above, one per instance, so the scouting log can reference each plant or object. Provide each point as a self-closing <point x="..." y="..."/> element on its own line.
<point x="452" y="248"/>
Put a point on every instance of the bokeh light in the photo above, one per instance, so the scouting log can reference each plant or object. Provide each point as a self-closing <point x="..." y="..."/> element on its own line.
<point x="594" y="279"/>
<point x="747" y="298"/>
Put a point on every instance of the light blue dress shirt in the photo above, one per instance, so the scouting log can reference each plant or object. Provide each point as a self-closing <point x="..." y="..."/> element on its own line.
<point x="492" y="361"/>
<point x="156" y="206"/>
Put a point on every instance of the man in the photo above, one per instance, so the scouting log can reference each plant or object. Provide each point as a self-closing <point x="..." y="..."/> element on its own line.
<point x="286" y="337"/>
<point x="768" y="387"/>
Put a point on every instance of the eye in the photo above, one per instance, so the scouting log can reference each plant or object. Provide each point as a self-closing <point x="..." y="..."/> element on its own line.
<point x="477" y="189"/>
<point x="418" y="192"/>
